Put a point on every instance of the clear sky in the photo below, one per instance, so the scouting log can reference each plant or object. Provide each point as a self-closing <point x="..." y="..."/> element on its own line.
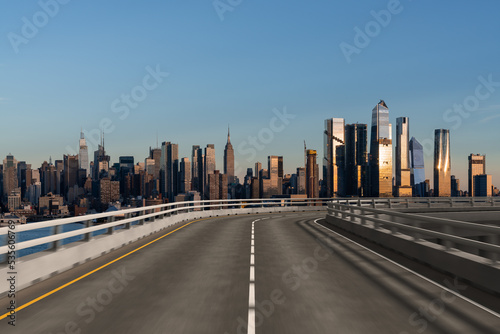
<point x="235" y="64"/>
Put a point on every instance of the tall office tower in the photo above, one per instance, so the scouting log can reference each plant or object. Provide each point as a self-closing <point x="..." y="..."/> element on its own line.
<point x="477" y="166"/>
<point x="381" y="152"/>
<point x="312" y="171"/>
<point x="197" y="169"/>
<point x="417" y="167"/>
<point x="155" y="154"/>
<point x="455" y="186"/>
<point x="59" y="170"/>
<point x="301" y="181"/>
<point x="280" y="167"/>
<point x="229" y="160"/>
<point x="208" y="165"/>
<point x="333" y="167"/>
<point x="170" y="170"/>
<point x="356" y="159"/>
<point x="70" y="176"/>
<point x="149" y="166"/>
<point x="217" y="185"/>
<point x="258" y="168"/>
<point x="275" y="183"/>
<point x="483" y="185"/>
<point x="403" y="172"/>
<point x="10" y="181"/>
<point x="83" y="155"/>
<point x="442" y="163"/>
<point x="101" y="161"/>
<point x="126" y="164"/>
<point x="23" y="177"/>
<point x="185" y="176"/>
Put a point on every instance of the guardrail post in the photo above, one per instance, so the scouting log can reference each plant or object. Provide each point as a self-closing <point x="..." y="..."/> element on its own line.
<point x="429" y="202"/>
<point x="407" y="203"/>
<point x="352" y="213"/>
<point x="111" y="229"/>
<point x="363" y="216"/>
<point x="373" y="203"/>
<point x="492" y="201"/>
<point x="389" y="203"/>
<point x="451" y="202"/>
<point x="58" y="243"/>
<point x="141" y="220"/>
<point x="447" y="229"/>
<point x="495" y="240"/>
<point x="88" y="236"/>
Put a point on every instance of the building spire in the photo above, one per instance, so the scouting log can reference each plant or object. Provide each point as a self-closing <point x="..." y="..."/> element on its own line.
<point x="81" y="133"/>
<point x="228" y="135"/>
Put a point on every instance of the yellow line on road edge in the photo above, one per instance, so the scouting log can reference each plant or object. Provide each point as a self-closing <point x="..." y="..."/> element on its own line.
<point x="95" y="270"/>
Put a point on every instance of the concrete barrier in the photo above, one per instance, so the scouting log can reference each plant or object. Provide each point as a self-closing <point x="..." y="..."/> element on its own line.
<point x="479" y="271"/>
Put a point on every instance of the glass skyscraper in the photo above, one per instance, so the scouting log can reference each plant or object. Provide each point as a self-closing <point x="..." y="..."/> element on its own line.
<point x="356" y="159"/>
<point x="477" y="166"/>
<point x="442" y="163"/>
<point x="333" y="160"/>
<point x="417" y="165"/>
<point x="381" y="152"/>
<point x="403" y="182"/>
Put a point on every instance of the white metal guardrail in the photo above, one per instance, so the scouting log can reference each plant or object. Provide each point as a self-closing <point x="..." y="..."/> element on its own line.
<point x="127" y="218"/>
<point x="377" y="214"/>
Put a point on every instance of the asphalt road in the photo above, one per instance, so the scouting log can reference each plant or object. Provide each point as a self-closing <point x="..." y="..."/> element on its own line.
<point x="298" y="277"/>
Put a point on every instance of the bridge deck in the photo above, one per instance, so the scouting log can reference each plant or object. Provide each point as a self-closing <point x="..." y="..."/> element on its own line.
<point x="307" y="279"/>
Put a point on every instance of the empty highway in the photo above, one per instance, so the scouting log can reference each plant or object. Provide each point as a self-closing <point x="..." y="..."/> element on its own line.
<point x="281" y="273"/>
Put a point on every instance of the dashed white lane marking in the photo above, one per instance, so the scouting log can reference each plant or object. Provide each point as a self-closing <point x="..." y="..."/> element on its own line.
<point x="251" y="288"/>
<point x="484" y="308"/>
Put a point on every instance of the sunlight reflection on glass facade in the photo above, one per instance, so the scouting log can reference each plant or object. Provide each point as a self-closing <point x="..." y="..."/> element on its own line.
<point x="442" y="163"/>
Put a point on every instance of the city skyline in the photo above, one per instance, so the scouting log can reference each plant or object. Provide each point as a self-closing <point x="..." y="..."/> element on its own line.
<point x="316" y="81"/>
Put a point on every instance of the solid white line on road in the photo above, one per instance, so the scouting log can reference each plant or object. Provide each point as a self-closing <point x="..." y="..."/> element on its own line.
<point x="484" y="308"/>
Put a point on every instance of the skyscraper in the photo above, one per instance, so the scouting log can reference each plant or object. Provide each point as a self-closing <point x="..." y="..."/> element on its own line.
<point x="483" y="185"/>
<point x="312" y="172"/>
<point x="70" y="176"/>
<point x="333" y="167"/>
<point x="101" y="161"/>
<point x="170" y="170"/>
<point x="356" y="159"/>
<point x="185" y="176"/>
<point x="442" y="163"/>
<point x="477" y="166"/>
<point x="229" y="160"/>
<point x="197" y="168"/>
<point x="155" y="154"/>
<point x="417" y="166"/>
<point x="208" y="166"/>
<point x="381" y="152"/>
<point x="10" y="181"/>
<point x="403" y="173"/>
<point x="275" y="184"/>
<point x="83" y="155"/>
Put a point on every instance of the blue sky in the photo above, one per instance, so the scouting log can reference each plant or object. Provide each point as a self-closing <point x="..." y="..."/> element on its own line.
<point x="262" y="56"/>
